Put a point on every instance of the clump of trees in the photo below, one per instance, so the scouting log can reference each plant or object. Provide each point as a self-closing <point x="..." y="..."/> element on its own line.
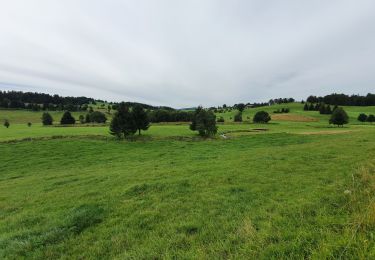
<point x="47" y="119"/>
<point x="281" y="101"/>
<point x="339" y="117"/>
<point x="67" y="119"/>
<point x="321" y="107"/>
<point x="261" y="117"/>
<point x="96" y="117"/>
<point x="167" y="115"/>
<point x="204" y="122"/>
<point x="344" y="100"/>
<point x="127" y="122"/>
<point x="282" y="110"/>
<point x="6" y="123"/>
<point x="220" y="120"/>
<point x="364" y="118"/>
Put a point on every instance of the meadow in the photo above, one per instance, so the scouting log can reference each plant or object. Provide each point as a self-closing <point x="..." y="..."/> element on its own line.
<point x="290" y="189"/>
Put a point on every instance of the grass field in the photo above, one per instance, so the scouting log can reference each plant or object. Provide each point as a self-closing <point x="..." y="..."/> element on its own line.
<point x="301" y="189"/>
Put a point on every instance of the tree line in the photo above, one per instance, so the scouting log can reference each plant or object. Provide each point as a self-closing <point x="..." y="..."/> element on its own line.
<point x="344" y="100"/>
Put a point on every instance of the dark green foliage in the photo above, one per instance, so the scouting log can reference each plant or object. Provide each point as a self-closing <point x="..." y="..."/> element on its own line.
<point x="240" y="107"/>
<point x="261" y="117"/>
<point x="97" y="117"/>
<point x="220" y="119"/>
<point x="328" y="110"/>
<point x="123" y="124"/>
<point x="371" y="119"/>
<point x="283" y="110"/>
<point x="339" y="117"/>
<point x="204" y="122"/>
<point x="362" y="117"/>
<point x="238" y="117"/>
<point x="87" y="118"/>
<point x="6" y="123"/>
<point x="140" y="118"/>
<point x="29" y="124"/>
<point x="67" y="119"/>
<point x="311" y="107"/>
<point x="47" y="119"/>
<point x="81" y="119"/>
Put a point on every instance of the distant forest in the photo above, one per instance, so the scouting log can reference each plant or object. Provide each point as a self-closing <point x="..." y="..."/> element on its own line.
<point x="40" y="101"/>
<point x="344" y="100"/>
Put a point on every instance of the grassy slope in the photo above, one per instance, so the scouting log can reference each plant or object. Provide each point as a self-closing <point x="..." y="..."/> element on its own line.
<point x="250" y="196"/>
<point x="276" y="194"/>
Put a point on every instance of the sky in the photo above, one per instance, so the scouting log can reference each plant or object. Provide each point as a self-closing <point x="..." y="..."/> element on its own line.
<point x="188" y="53"/>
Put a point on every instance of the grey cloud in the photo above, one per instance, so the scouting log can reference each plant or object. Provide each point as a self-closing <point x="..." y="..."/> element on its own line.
<point x="186" y="53"/>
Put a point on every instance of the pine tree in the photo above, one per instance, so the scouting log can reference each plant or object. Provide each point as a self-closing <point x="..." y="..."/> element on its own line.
<point x="67" y="119"/>
<point x="140" y="118"/>
<point x="47" y="119"/>
<point x="339" y="117"/>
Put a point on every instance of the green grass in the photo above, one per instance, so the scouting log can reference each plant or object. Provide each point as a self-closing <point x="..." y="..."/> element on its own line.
<point x="275" y="194"/>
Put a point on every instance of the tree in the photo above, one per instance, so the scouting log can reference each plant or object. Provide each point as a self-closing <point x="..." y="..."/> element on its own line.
<point x="109" y="109"/>
<point x="339" y="117"/>
<point x="81" y="119"/>
<point x="238" y="117"/>
<point x="328" y="110"/>
<point x="6" y="123"/>
<point x="305" y="107"/>
<point x="87" y="118"/>
<point x="362" y="117"/>
<point x="371" y="118"/>
<point x="240" y="107"/>
<point x="97" y="117"/>
<point x="204" y="122"/>
<point x="311" y="107"/>
<point x="140" y="118"/>
<point x="261" y="117"/>
<point x="122" y="124"/>
<point x="322" y="109"/>
<point x="67" y="119"/>
<point x="47" y="119"/>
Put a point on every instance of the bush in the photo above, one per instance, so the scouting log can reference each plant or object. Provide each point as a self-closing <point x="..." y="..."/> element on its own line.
<point x="6" y="123"/>
<point x="371" y="119"/>
<point x="29" y="124"/>
<point x="204" y="122"/>
<point x="362" y="117"/>
<point x="47" y="119"/>
<point x="97" y="117"/>
<point x="81" y="119"/>
<point x="67" y="119"/>
<point x="261" y="117"/>
<point x="238" y="117"/>
<point x="339" y="117"/>
<point x="220" y="119"/>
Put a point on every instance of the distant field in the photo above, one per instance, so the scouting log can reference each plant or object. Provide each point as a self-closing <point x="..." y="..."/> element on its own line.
<point x="300" y="189"/>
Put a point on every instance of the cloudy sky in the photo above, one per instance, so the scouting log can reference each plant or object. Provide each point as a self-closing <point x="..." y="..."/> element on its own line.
<point x="186" y="53"/>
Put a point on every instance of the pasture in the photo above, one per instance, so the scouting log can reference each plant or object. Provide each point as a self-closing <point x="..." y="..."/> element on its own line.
<point x="300" y="189"/>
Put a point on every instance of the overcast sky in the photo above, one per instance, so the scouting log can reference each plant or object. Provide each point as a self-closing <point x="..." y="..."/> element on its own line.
<point x="186" y="53"/>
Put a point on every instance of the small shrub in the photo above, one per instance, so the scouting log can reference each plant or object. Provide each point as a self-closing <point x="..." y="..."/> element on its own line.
<point x="371" y="119"/>
<point x="238" y="117"/>
<point x="29" y="124"/>
<point x="362" y="117"/>
<point x="220" y="119"/>
<point x="6" y="123"/>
